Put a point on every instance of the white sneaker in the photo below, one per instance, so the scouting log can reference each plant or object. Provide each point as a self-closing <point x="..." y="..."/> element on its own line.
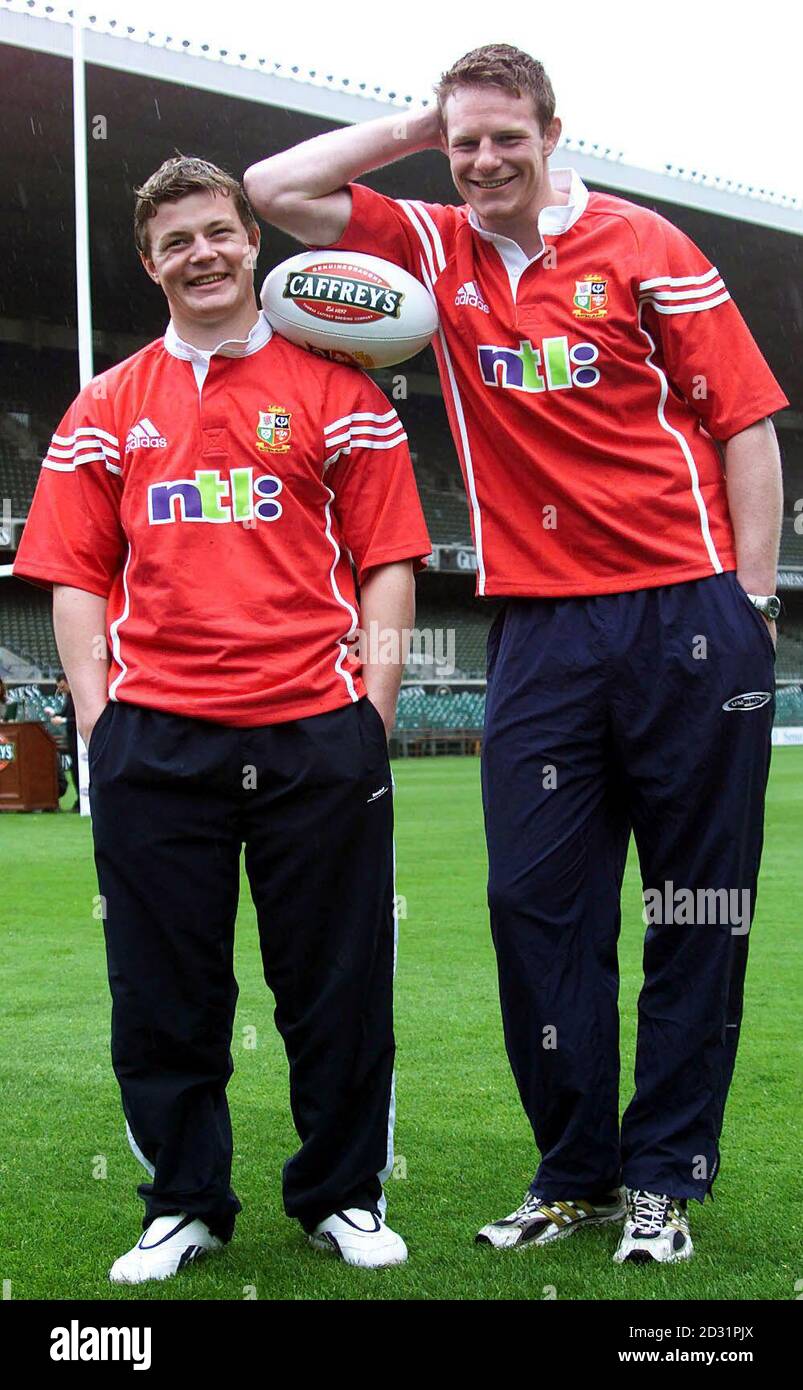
<point x="657" y="1228"/>
<point x="360" y="1238"/>
<point x="170" y="1243"/>
<point x="539" y="1222"/>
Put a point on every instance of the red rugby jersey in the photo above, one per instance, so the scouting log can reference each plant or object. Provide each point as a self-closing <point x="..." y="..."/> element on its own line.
<point x="585" y="388"/>
<point x="217" y="499"/>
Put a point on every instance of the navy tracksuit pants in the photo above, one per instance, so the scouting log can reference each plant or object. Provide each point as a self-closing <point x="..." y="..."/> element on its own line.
<point x="605" y="715"/>
<point x="173" y="802"/>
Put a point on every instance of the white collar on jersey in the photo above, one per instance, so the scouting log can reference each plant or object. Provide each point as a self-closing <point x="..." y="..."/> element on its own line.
<point x="552" y="220"/>
<point x="260" y="334"/>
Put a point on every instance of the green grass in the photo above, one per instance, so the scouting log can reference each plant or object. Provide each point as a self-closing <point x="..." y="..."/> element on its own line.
<point x="465" y="1143"/>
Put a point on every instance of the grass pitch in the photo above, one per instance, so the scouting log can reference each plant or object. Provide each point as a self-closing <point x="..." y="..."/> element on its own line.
<point x="464" y="1151"/>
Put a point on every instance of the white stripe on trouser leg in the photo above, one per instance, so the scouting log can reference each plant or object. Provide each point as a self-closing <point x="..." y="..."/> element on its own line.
<point x="388" y="1168"/>
<point x="137" y="1152"/>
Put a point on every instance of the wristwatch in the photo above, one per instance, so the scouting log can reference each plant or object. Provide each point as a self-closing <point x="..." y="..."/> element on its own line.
<point x="769" y="605"/>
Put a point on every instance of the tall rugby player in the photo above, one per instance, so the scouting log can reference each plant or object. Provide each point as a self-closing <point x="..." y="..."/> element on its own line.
<point x="610" y="413"/>
<point x="205" y="505"/>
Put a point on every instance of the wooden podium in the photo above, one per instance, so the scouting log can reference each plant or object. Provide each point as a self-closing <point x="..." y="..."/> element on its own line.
<point x="28" y="768"/>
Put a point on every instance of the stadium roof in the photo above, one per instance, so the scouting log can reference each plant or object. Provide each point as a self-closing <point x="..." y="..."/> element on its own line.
<point x="46" y="28"/>
<point x="153" y="101"/>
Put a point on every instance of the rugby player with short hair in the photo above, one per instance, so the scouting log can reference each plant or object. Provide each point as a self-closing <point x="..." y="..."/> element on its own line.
<point x="610" y="412"/>
<point x="227" y="510"/>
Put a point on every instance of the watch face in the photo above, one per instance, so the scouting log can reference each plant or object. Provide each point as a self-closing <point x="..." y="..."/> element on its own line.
<point x="773" y="607"/>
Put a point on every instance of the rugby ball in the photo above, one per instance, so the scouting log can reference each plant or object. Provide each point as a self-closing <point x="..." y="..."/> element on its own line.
<point x="350" y="307"/>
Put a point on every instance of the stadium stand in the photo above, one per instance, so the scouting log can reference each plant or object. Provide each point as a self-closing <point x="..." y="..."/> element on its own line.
<point x="789" y="660"/>
<point x="31" y="702"/>
<point x="792" y="543"/>
<point x="789" y="706"/>
<point x="430" y="722"/>
<point x="26" y="626"/>
<point x="447" y="515"/>
<point x="458" y="637"/>
<point x="218" y="107"/>
<point x="18" y="476"/>
<point x="419" y="709"/>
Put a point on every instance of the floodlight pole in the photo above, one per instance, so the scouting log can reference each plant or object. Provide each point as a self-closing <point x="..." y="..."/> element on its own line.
<point x="83" y="284"/>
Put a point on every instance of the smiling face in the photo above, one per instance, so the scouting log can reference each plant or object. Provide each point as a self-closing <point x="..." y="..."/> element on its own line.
<point x="498" y="155"/>
<point x="203" y="257"/>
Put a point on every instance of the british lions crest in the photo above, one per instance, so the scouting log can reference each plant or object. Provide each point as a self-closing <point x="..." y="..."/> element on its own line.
<point x="273" y="430"/>
<point x="591" y="298"/>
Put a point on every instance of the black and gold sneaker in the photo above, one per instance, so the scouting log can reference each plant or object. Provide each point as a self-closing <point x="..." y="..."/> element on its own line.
<point x="538" y="1221"/>
<point x="656" y="1228"/>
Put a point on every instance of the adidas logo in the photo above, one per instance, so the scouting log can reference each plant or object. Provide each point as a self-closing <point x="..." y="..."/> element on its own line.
<point x="469" y="295"/>
<point x="144" y="436"/>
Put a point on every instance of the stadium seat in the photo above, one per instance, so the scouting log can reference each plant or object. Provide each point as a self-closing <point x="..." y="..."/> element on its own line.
<point x="26" y="625"/>
<point x="446" y="514"/>
<point x="789" y="661"/>
<point x="461" y="630"/>
<point x="789" y="706"/>
<point x="418" y="709"/>
<point x="18" y="476"/>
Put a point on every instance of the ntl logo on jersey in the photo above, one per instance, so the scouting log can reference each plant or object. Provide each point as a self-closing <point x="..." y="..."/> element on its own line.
<point x="521" y="370"/>
<point x="210" y="497"/>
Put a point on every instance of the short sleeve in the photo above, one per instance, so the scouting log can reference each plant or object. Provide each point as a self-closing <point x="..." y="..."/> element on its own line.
<point x="368" y="468"/>
<point x="73" y="533"/>
<point x="710" y="355"/>
<point x="409" y="233"/>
